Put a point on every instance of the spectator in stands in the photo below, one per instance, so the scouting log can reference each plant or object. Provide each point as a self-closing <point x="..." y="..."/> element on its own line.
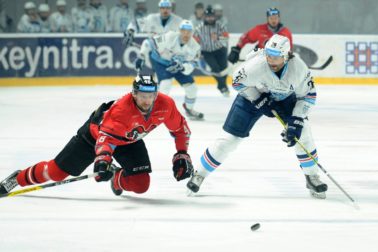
<point x="81" y="18"/>
<point x="197" y="17"/>
<point x="44" y="17"/>
<point x="120" y="16"/>
<point x="29" y="22"/>
<point x="5" y="20"/>
<point x="219" y="14"/>
<point x="213" y="37"/>
<point x="173" y="3"/>
<point x="140" y="10"/>
<point x="60" y="20"/>
<point x="99" y="16"/>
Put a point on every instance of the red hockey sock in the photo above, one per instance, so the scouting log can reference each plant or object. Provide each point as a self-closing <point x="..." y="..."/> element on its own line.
<point x="40" y="173"/>
<point x="135" y="183"/>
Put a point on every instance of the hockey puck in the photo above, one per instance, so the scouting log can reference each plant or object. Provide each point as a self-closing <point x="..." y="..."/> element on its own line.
<point x="256" y="226"/>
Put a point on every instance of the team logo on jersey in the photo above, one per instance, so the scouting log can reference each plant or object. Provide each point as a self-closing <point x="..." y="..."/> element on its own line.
<point x="139" y="132"/>
<point x="240" y="75"/>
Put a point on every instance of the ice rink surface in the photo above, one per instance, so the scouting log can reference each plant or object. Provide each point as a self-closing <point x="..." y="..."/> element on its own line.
<point x="260" y="182"/>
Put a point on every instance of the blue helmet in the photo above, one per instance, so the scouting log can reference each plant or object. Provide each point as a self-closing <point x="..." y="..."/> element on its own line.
<point x="144" y="83"/>
<point x="165" y="4"/>
<point x="272" y="11"/>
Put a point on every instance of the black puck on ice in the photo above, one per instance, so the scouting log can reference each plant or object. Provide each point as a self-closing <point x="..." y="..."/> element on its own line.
<point x="256" y="226"/>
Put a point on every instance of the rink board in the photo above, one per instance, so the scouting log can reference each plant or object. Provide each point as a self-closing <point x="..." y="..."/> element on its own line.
<point x="101" y="59"/>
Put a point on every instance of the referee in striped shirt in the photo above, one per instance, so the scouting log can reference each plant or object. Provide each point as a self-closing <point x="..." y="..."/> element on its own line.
<point x="213" y="38"/>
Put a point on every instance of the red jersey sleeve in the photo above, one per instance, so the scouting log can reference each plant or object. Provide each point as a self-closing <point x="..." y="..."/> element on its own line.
<point x="250" y="36"/>
<point x="178" y="128"/>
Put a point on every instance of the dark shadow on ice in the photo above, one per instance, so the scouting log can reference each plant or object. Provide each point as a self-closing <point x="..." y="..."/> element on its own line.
<point x="174" y="202"/>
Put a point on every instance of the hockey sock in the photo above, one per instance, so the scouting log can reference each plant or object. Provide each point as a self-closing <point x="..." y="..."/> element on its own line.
<point x="40" y="173"/>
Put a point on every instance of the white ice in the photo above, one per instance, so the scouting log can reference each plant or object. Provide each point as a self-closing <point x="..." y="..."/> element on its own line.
<point x="260" y="182"/>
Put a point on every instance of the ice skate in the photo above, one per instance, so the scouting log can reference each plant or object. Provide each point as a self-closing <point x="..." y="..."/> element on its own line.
<point x="317" y="188"/>
<point x="9" y="183"/>
<point x="117" y="190"/>
<point x="195" y="182"/>
<point x="192" y="114"/>
<point x="225" y="92"/>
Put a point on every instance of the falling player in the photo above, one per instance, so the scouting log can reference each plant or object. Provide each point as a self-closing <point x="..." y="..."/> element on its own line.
<point x="174" y="55"/>
<point x="115" y="130"/>
<point x="270" y="79"/>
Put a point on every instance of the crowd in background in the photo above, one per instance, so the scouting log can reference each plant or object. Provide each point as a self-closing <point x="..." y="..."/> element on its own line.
<point x="88" y="16"/>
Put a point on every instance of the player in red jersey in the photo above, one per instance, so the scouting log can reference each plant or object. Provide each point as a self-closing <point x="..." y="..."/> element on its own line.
<point x="261" y="34"/>
<point x="115" y="130"/>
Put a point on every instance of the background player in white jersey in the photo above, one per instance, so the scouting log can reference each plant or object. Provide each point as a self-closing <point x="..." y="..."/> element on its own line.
<point x="271" y="79"/>
<point x="99" y="16"/>
<point x="29" y="22"/>
<point x="81" y="18"/>
<point x="120" y="16"/>
<point x="155" y="23"/>
<point x="61" y="20"/>
<point x="174" y="55"/>
<point x="44" y="17"/>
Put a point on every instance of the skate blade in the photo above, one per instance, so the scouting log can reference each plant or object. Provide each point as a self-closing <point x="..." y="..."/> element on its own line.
<point x="190" y="193"/>
<point x="316" y="195"/>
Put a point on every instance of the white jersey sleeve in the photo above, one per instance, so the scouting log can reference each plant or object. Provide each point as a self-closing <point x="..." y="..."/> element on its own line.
<point x="60" y="23"/>
<point x="305" y="90"/>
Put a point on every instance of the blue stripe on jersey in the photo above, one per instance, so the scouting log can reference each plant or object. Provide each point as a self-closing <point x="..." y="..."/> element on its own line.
<point x="238" y="86"/>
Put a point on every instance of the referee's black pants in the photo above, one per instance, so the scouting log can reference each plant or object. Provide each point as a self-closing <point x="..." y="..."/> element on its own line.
<point x="217" y="60"/>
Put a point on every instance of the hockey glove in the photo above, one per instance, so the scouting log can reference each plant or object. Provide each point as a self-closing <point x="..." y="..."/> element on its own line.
<point x="139" y="63"/>
<point x="264" y="104"/>
<point x="294" y="130"/>
<point x="102" y="165"/>
<point x="182" y="165"/>
<point x="128" y="38"/>
<point x="233" y="57"/>
<point x="175" y="67"/>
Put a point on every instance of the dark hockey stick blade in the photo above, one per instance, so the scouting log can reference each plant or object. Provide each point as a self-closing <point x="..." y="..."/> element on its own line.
<point x="329" y="60"/>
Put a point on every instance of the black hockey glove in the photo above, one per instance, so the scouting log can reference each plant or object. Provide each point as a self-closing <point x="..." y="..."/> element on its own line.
<point x="294" y="130"/>
<point x="139" y="63"/>
<point x="265" y="104"/>
<point x="233" y="57"/>
<point x="182" y="165"/>
<point x="102" y="165"/>
<point x="128" y="38"/>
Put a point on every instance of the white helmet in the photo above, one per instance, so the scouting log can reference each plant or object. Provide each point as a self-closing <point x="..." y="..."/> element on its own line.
<point x="165" y="4"/>
<point x="278" y="45"/>
<point x="29" y="5"/>
<point x="43" y="8"/>
<point x="61" y="3"/>
<point x="186" y="25"/>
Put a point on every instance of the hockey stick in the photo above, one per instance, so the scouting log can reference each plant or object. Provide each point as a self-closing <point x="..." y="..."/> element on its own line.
<point x="313" y="159"/>
<point x="40" y="187"/>
<point x="329" y="60"/>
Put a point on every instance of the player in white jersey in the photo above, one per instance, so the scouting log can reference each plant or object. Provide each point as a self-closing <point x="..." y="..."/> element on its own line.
<point x="120" y="16"/>
<point x="29" y="22"/>
<point x="44" y="17"/>
<point x="155" y="23"/>
<point x="270" y="79"/>
<point x="99" y="16"/>
<point x="60" y="20"/>
<point x="174" y="55"/>
<point x="81" y="18"/>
